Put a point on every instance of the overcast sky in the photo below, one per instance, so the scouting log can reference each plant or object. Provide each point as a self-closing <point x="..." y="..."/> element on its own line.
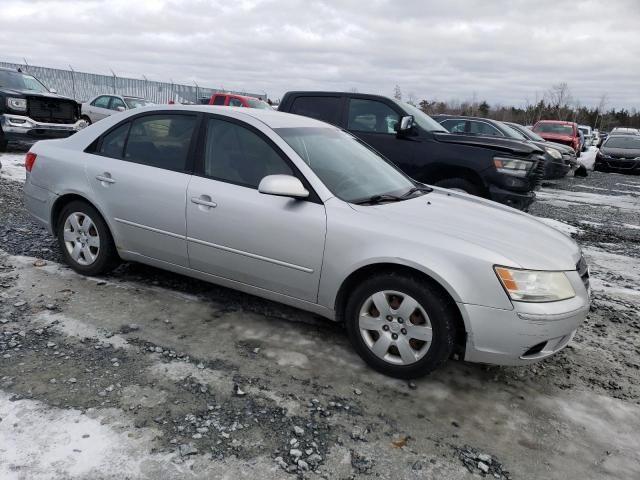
<point x="505" y="51"/>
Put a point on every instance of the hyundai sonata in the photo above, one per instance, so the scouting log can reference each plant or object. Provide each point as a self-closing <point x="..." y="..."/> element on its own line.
<point x="295" y="210"/>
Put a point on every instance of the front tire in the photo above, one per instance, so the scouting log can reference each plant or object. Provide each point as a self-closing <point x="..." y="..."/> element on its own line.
<point x="400" y="326"/>
<point x="85" y="241"/>
<point x="84" y="122"/>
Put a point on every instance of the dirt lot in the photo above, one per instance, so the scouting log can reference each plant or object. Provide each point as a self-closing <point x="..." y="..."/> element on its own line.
<point x="149" y="375"/>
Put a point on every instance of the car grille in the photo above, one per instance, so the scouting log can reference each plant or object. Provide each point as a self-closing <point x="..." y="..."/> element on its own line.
<point x="50" y="110"/>
<point x="583" y="271"/>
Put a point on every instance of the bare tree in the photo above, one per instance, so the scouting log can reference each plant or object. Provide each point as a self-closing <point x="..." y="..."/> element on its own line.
<point x="601" y="106"/>
<point x="559" y="98"/>
<point x="412" y="99"/>
<point x="397" y="93"/>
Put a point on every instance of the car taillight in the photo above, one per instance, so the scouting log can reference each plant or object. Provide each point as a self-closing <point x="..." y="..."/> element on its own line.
<point x="30" y="161"/>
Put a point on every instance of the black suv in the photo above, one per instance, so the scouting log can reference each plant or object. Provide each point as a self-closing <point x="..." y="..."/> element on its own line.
<point x="501" y="169"/>
<point x="30" y="112"/>
<point x="556" y="165"/>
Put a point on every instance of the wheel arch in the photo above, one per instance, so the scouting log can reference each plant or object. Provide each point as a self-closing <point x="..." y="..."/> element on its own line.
<point x="66" y="198"/>
<point x="366" y="271"/>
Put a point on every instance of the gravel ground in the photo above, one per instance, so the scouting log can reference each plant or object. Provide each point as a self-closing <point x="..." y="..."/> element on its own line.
<point x="147" y="374"/>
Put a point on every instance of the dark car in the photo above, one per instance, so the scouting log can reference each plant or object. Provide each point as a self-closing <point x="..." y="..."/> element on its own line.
<point x="29" y="111"/>
<point x="619" y="153"/>
<point x="500" y="169"/>
<point x="555" y="165"/>
<point x="568" y="153"/>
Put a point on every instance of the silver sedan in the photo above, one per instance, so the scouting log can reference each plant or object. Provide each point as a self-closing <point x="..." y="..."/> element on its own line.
<point x="295" y="210"/>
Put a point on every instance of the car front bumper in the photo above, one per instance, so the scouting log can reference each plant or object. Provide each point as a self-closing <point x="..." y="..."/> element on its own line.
<point x="21" y="128"/>
<point x="519" y="200"/>
<point x="631" y="165"/>
<point x="528" y="333"/>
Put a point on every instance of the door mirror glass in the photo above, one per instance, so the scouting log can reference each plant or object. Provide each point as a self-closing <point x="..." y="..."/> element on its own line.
<point x="283" y="186"/>
<point x="120" y="108"/>
<point x="406" y="124"/>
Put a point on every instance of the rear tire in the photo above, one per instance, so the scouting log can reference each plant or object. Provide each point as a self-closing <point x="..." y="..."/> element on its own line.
<point x="459" y="184"/>
<point x="87" y="121"/>
<point x="418" y="339"/>
<point x="85" y="240"/>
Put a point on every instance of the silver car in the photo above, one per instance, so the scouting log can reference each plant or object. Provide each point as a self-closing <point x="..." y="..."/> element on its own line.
<point x="104" y="106"/>
<point x="295" y="210"/>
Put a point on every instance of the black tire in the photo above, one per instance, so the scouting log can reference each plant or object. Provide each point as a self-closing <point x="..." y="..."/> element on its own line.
<point x="457" y="183"/>
<point x="86" y="119"/>
<point x="437" y="306"/>
<point x="3" y="143"/>
<point x="107" y="256"/>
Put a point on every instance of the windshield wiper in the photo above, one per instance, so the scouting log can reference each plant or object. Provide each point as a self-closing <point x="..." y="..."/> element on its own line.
<point x="412" y="190"/>
<point x="375" y="199"/>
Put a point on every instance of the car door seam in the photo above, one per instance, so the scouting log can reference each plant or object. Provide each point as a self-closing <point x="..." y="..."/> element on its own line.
<point x="151" y="229"/>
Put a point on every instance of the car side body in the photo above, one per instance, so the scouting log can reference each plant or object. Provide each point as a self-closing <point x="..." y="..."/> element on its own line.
<point x="307" y="252"/>
<point x="105" y="105"/>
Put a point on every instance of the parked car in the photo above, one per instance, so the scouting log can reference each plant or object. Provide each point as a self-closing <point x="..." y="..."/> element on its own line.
<point x="272" y="200"/>
<point x="625" y="131"/>
<point x="603" y="137"/>
<point x="619" y="153"/>
<point x="102" y="106"/>
<point x="559" y="131"/>
<point x="588" y="135"/>
<point x="233" y="100"/>
<point x="29" y="111"/>
<point x="500" y="169"/>
<point x="568" y="153"/>
<point x="554" y="164"/>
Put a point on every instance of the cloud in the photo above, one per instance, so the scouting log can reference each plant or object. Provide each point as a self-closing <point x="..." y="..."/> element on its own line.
<point x="504" y="51"/>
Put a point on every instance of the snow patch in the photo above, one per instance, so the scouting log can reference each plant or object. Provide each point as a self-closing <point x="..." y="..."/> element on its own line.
<point x="588" y="158"/>
<point x="13" y="166"/>
<point x="564" y="198"/>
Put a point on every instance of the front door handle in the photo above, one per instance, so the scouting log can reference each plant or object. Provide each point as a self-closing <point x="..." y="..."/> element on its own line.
<point x="204" y="200"/>
<point x="105" y="178"/>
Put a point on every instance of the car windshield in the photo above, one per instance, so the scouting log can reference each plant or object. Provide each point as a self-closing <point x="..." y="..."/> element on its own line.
<point x="628" y="142"/>
<point x="21" y="81"/>
<point x="557" y="128"/>
<point x="133" y="102"/>
<point x="255" y="103"/>
<point x="423" y="120"/>
<point x="585" y="131"/>
<point x="513" y="133"/>
<point x="351" y="170"/>
<point x="530" y="134"/>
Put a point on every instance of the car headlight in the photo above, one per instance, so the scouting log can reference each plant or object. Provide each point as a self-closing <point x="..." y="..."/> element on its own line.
<point x="513" y="166"/>
<point x="19" y="104"/>
<point x="535" y="286"/>
<point x="554" y="153"/>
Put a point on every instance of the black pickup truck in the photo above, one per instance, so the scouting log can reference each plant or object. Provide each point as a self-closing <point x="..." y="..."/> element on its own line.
<point x="29" y="111"/>
<point x="501" y="169"/>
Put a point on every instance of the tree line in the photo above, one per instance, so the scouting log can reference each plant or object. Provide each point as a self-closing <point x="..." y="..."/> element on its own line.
<point x="557" y="103"/>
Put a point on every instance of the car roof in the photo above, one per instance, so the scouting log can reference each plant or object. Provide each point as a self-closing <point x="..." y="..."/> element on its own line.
<point x="271" y="118"/>
<point x="563" y="122"/>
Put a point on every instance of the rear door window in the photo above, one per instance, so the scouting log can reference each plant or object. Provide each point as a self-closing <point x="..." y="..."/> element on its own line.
<point x="483" y="128"/>
<point x="455" y="125"/>
<point x="219" y="100"/>
<point x="161" y="141"/>
<point x="326" y="109"/>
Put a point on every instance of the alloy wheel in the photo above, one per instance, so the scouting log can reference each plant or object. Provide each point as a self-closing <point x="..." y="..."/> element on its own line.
<point x="81" y="238"/>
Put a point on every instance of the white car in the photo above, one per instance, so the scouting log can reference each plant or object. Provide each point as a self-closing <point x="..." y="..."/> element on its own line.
<point x="103" y="106"/>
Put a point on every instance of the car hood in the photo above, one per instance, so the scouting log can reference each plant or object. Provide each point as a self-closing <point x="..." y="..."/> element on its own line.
<point x="510" y="234"/>
<point x="496" y="143"/>
<point x="621" y="152"/>
<point x="31" y="93"/>
<point x="556" y="136"/>
<point x="559" y="146"/>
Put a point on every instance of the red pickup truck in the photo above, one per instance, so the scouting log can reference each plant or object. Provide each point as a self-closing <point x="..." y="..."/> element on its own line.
<point x="560" y="132"/>
<point x="233" y="100"/>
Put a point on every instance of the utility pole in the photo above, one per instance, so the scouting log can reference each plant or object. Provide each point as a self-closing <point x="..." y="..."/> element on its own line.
<point x="114" y="81"/>
<point x="73" y="82"/>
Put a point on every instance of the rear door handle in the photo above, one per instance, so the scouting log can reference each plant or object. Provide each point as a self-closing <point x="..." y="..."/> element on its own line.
<point x="204" y="200"/>
<point x="105" y="177"/>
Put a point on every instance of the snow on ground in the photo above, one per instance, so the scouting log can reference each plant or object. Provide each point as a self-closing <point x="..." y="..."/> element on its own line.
<point x="561" y="226"/>
<point x="588" y="158"/>
<point x="564" y="198"/>
<point x="13" y="166"/>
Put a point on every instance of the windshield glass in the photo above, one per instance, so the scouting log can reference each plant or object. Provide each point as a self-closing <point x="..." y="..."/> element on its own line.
<point x="584" y="130"/>
<point x="21" y="81"/>
<point x="423" y="120"/>
<point x="254" y="103"/>
<point x="133" y="102"/>
<point x="629" y="142"/>
<point x="557" y="128"/>
<point x="513" y="133"/>
<point x="350" y="169"/>
<point x="530" y="134"/>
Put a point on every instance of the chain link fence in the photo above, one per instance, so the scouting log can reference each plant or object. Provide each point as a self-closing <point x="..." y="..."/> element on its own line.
<point x="82" y="86"/>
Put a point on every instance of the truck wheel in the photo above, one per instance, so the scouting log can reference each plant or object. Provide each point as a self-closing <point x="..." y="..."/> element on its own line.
<point x="401" y="326"/>
<point x="459" y="185"/>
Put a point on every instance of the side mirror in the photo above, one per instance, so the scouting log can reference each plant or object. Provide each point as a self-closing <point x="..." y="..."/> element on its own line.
<point x="406" y="124"/>
<point x="120" y="108"/>
<point x="283" y="186"/>
<point x="53" y="90"/>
